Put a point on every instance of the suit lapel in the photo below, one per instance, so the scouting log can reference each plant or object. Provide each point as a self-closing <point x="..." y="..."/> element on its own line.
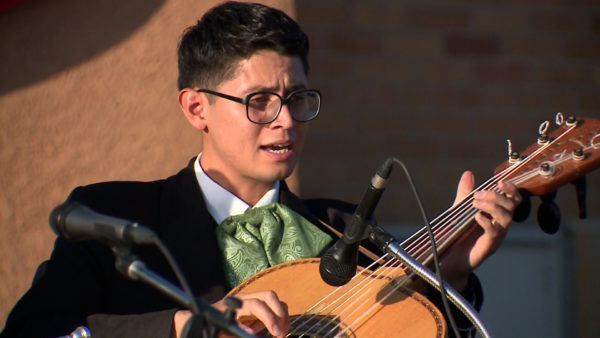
<point x="287" y="198"/>
<point x="188" y="231"/>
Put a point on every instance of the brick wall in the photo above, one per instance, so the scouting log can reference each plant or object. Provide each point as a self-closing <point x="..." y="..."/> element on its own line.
<point x="441" y="85"/>
<point x="87" y="93"/>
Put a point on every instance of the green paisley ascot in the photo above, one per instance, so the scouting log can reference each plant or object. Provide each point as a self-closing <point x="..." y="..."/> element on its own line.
<point x="266" y="236"/>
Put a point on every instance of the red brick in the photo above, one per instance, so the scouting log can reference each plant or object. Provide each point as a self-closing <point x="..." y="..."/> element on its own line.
<point x="325" y="64"/>
<point x="472" y="96"/>
<point x="321" y="12"/>
<point x="595" y="21"/>
<point x="438" y="17"/>
<point x="415" y="96"/>
<point x="561" y="99"/>
<point x="471" y="45"/>
<point x="411" y="43"/>
<point x="501" y="99"/>
<point x="580" y="3"/>
<point x="562" y="74"/>
<point x="591" y="101"/>
<point x="583" y="49"/>
<point x="502" y="72"/>
<point x="388" y="95"/>
<point x="379" y="68"/>
<point x="487" y="20"/>
<point x="533" y="46"/>
<point x="595" y="74"/>
<point x="438" y="125"/>
<point x="429" y="71"/>
<point x="536" y="2"/>
<point x="448" y="71"/>
<point x="560" y="20"/>
<point x="446" y="97"/>
<point x="345" y="41"/>
<point x="383" y="16"/>
<point x="554" y="100"/>
<point x="531" y="99"/>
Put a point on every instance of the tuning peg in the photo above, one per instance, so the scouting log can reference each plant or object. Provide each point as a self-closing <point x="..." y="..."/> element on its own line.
<point x="548" y="214"/>
<point x="513" y="156"/>
<point x="543" y="133"/>
<point x="580" y="191"/>
<point x="522" y="210"/>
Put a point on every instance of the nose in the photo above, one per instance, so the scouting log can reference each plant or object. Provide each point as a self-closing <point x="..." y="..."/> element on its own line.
<point x="284" y="119"/>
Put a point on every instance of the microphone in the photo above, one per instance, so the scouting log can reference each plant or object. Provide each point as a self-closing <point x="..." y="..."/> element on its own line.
<point x="338" y="264"/>
<point x="76" y="222"/>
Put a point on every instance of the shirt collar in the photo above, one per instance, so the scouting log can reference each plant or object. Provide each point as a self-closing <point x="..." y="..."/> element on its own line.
<point x="222" y="203"/>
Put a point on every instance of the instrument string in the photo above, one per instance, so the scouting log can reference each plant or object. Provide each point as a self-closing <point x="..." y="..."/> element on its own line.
<point x="446" y="227"/>
<point x="379" y="273"/>
<point x="392" y="290"/>
<point x="395" y="285"/>
<point x="457" y="218"/>
<point x="535" y="172"/>
<point x="349" y="291"/>
<point x="374" y="288"/>
<point x="461" y="214"/>
<point x="387" y="279"/>
<point x="343" y="299"/>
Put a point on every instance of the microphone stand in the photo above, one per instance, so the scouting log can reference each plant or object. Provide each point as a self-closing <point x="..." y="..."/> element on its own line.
<point x="389" y="244"/>
<point x="205" y="319"/>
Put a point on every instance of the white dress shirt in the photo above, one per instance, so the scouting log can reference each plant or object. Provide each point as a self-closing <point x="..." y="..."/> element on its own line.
<point x="222" y="203"/>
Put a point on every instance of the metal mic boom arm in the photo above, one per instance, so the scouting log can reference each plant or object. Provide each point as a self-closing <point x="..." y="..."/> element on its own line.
<point x="389" y="244"/>
<point x="130" y="266"/>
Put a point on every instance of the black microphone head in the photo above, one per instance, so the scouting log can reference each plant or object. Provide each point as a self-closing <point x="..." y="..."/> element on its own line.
<point x="57" y="217"/>
<point x="386" y="168"/>
<point x="74" y="222"/>
<point x="53" y="219"/>
<point x="335" y="273"/>
<point x="338" y="264"/>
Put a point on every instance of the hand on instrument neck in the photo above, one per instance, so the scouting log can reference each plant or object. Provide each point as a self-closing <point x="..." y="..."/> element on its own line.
<point x="496" y="210"/>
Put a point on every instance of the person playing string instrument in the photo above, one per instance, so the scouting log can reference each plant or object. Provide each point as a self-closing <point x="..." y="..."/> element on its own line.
<point x="243" y="85"/>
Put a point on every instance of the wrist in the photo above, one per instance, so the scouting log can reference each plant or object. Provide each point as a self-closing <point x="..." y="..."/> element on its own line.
<point x="179" y="320"/>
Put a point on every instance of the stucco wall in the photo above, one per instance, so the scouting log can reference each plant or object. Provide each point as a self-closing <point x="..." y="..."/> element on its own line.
<point x="87" y="93"/>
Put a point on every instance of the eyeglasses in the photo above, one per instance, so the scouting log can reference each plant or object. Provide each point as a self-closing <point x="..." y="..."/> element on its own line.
<point x="264" y="107"/>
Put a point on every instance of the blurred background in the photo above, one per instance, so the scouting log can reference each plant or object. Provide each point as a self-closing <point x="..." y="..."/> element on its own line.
<point x="88" y="93"/>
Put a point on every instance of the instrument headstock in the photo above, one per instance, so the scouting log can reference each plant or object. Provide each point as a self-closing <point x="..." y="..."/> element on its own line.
<point x="560" y="157"/>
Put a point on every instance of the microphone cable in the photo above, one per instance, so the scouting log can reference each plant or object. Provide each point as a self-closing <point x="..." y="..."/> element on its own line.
<point x="433" y="247"/>
<point x="178" y="273"/>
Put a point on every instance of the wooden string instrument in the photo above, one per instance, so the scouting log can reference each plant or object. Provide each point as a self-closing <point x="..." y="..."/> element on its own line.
<point x="379" y="300"/>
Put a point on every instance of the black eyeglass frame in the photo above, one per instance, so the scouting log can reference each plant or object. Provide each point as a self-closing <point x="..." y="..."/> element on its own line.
<point x="283" y="101"/>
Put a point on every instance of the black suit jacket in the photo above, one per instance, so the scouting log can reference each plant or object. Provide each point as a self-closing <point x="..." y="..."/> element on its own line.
<point x="79" y="285"/>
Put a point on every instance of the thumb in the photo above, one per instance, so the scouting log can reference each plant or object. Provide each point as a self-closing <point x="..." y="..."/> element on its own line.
<point x="465" y="186"/>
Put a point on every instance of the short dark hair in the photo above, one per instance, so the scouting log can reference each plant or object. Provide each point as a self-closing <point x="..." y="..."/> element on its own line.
<point x="208" y="52"/>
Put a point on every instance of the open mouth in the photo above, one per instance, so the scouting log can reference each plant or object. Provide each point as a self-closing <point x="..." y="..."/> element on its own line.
<point x="278" y="148"/>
